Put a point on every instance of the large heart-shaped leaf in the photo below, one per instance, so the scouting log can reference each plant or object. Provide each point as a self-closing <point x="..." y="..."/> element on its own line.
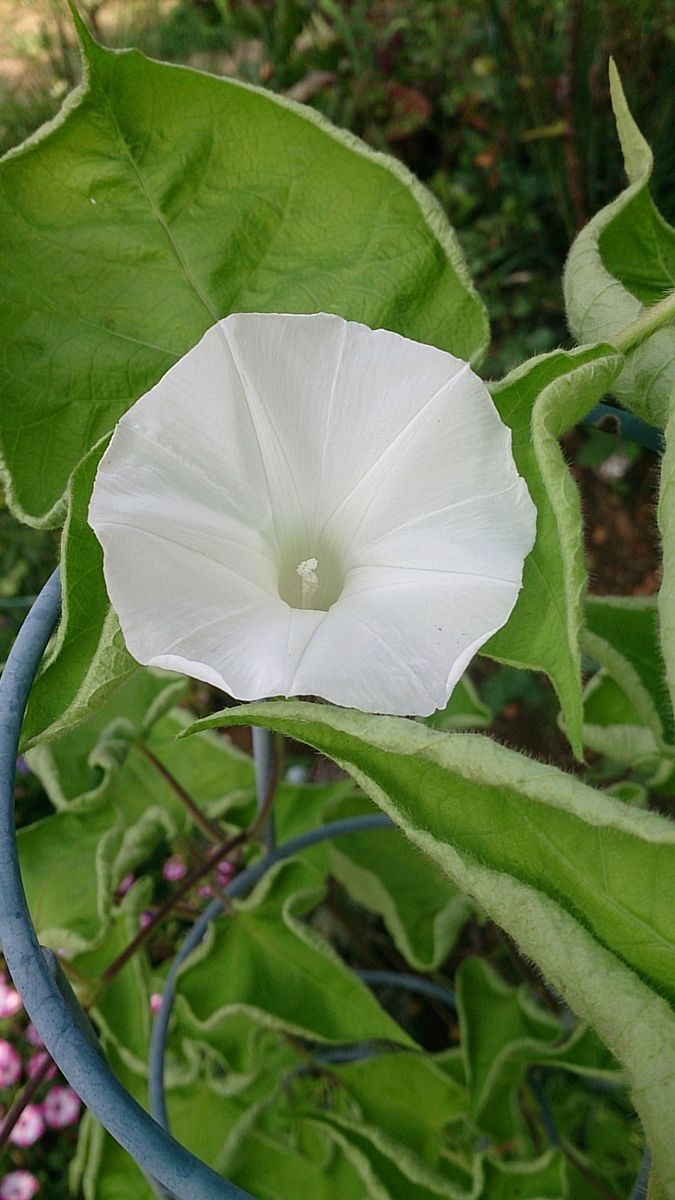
<point x="163" y="199"/>
<point x="575" y="877"/>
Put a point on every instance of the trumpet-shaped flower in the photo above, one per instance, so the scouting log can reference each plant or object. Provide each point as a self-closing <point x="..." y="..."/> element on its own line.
<point x="305" y="506"/>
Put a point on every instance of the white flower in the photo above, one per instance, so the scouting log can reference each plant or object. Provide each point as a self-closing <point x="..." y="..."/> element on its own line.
<point x="305" y="506"/>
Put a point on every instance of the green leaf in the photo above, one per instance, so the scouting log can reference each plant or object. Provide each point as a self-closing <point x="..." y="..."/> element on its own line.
<point x="122" y="1011"/>
<point x="503" y="1033"/>
<point x="543" y="1179"/>
<point x="271" y="1169"/>
<point x="391" y="1172"/>
<point x="264" y="960"/>
<point x="613" y="727"/>
<point x="88" y="658"/>
<point x="539" y="401"/>
<point x="388" y="1169"/>
<point x="624" y="630"/>
<point x="163" y="199"/>
<point x="417" y="1110"/>
<point x="68" y="865"/>
<point x="217" y="777"/>
<point x="627" y="712"/>
<point x="622" y="262"/>
<point x="575" y="877"/>
<point x="666" y="519"/>
<point x="423" y="912"/>
<point x="74" y="766"/>
<point x="199" y="1113"/>
<point x="107" y="757"/>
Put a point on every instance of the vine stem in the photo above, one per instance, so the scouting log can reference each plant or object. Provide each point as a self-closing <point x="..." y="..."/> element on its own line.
<point x="213" y="833"/>
<point x="647" y="323"/>
<point x="208" y="862"/>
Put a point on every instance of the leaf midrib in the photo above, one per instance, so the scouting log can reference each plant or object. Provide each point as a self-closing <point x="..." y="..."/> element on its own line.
<point x="152" y="204"/>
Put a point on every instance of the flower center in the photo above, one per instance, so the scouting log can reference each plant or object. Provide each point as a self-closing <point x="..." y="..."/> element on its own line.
<point x="312" y="581"/>
<point x="309" y="580"/>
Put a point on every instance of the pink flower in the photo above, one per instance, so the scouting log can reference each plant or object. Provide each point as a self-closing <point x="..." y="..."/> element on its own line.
<point x="29" y="1127"/>
<point x="206" y="890"/>
<point x="10" y="1064"/>
<point x="225" y="872"/>
<point x="61" y="1107"/>
<point x="124" y="884"/>
<point x="18" y="1185"/>
<point x="36" y="1062"/>
<point x="174" y="869"/>
<point x="10" y="1000"/>
<point x="145" y="919"/>
<point x="33" y="1037"/>
<point x="155" y="1002"/>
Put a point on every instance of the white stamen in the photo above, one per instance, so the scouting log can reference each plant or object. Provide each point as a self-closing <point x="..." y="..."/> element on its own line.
<point x="310" y="580"/>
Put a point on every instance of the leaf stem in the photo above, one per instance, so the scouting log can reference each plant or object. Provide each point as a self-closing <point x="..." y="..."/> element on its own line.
<point x="213" y="833"/>
<point x="647" y="323"/>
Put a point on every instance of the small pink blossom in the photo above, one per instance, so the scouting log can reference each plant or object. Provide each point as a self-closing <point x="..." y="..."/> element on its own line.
<point x="174" y="869"/>
<point x="61" y="1107"/>
<point x="155" y="1002"/>
<point x="125" y="884"/>
<point x="18" y="1185"/>
<point x="145" y="919"/>
<point x="36" y="1062"/>
<point x="29" y="1127"/>
<point x="225" y="872"/>
<point x="10" y="1000"/>
<point x="10" y="1064"/>
<point x="205" y="890"/>
<point x="33" y="1037"/>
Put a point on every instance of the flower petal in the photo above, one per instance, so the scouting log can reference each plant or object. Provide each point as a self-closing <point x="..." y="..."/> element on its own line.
<point x="336" y="395"/>
<point x="399" y="643"/>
